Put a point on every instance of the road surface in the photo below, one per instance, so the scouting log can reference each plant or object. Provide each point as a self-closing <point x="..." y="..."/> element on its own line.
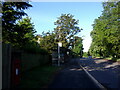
<point x="72" y="76"/>
<point x="104" y="71"/>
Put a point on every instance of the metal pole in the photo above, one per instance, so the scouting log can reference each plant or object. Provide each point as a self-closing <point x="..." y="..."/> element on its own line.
<point x="1" y="64"/>
<point x="59" y="51"/>
<point x="58" y="55"/>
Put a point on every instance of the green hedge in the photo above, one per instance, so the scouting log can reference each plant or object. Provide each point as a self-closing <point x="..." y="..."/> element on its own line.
<point x="30" y="60"/>
<point x="34" y="47"/>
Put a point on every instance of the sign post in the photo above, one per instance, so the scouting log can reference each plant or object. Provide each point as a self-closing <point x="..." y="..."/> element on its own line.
<point x="59" y="45"/>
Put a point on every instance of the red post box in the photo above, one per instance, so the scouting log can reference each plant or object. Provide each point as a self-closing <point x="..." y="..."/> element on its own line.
<point x="16" y="65"/>
<point x="16" y="72"/>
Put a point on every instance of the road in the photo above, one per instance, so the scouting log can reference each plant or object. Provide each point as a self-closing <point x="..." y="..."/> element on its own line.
<point x="72" y="76"/>
<point x="104" y="71"/>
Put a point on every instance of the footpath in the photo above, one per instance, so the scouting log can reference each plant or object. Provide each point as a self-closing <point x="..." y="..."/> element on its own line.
<point x="104" y="71"/>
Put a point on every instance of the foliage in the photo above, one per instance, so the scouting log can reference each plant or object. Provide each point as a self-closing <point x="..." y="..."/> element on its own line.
<point x="12" y="12"/>
<point x="34" y="47"/>
<point x="78" y="46"/>
<point x="48" y="42"/>
<point x="24" y="32"/>
<point x="66" y="29"/>
<point x="106" y="33"/>
<point x="85" y="54"/>
<point x="64" y="32"/>
<point x="19" y="31"/>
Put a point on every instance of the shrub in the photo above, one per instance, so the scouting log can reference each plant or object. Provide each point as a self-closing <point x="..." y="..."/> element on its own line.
<point x="114" y="59"/>
<point x="34" y="47"/>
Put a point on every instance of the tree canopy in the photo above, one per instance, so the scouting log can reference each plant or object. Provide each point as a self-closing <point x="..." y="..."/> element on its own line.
<point x="24" y="32"/>
<point x="65" y="32"/>
<point x="66" y="28"/>
<point x="20" y="31"/>
<point x="11" y="13"/>
<point x="78" y="46"/>
<point x="48" y="41"/>
<point x="106" y="33"/>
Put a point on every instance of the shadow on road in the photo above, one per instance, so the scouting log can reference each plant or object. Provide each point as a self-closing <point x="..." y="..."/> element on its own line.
<point x="72" y="76"/>
<point x="106" y="72"/>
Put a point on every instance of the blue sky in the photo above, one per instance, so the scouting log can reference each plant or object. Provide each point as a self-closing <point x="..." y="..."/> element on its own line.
<point x="44" y="14"/>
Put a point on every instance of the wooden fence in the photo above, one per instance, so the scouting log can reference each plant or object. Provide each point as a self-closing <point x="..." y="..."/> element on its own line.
<point x="27" y="62"/>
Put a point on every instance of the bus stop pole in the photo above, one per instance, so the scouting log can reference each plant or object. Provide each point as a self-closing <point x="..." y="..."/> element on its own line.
<point x="58" y="55"/>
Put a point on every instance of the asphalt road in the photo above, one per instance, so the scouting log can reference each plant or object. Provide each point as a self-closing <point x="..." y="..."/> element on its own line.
<point x="72" y="76"/>
<point x="104" y="71"/>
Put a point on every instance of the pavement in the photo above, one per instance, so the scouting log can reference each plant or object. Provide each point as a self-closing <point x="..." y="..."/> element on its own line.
<point x="73" y="76"/>
<point x="104" y="71"/>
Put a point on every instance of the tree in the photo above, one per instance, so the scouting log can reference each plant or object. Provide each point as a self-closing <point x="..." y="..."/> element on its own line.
<point x="11" y="13"/>
<point x="78" y="46"/>
<point x="64" y="32"/>
<point x="106" y="33"/>
<point x="24" y="32"/>
<point x="66" y="29"/>
<point x="48" y="41"/>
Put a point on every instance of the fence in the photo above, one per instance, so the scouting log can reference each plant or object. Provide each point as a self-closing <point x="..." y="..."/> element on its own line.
<point x="27" y="62"/>
<point x="0" y="65"/>
<point x="6" y="66"/>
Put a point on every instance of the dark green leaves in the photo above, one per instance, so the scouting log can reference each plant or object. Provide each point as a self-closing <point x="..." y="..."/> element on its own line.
<point x="12" y="12"/>
<point x="106" y="34"/>
<point x="66" y="28"/>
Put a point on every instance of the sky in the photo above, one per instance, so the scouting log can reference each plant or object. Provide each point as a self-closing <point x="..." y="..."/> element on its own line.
<point x="44" y="14"/>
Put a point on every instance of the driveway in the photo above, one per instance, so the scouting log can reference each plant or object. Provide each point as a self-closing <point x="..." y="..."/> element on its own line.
<point x="72" y="76"/>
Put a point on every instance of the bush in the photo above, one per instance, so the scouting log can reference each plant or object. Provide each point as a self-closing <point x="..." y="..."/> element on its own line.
<point x="114" y="59"/>
<point x="85" y="54"/>
<point x="34" y="47"/>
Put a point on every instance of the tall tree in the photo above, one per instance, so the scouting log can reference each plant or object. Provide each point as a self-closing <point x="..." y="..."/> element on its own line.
<point x="106" y="33"/>
<point x="24" y="32"/>
<point x="66" y="28"/>
<point x="12" y="12"/>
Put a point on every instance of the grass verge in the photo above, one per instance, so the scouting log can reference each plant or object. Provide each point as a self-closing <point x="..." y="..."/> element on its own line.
<point x="113" y="59"/>
<point x="39" y="77"/>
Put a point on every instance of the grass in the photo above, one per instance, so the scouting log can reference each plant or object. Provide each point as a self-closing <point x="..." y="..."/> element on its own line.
<point x="108" y="58"/>
<point x="113" y="59"/>
<point x="118" y="59"/>
<point x="39" y="77"/>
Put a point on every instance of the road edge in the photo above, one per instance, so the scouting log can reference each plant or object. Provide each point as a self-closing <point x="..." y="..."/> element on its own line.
<point x="93" y="79"/>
